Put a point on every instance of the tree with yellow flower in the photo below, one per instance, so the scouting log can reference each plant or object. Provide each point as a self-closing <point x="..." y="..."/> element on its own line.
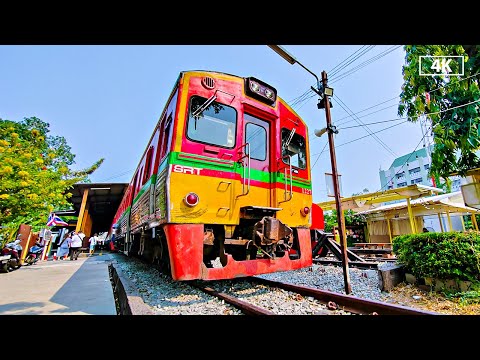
<point x="35" y="174"/>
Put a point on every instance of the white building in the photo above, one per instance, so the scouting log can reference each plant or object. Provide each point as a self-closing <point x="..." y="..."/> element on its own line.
<point x="413" y="168"/>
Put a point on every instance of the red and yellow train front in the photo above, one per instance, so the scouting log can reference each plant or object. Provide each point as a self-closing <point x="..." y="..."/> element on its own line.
<point x="239" y="188"/>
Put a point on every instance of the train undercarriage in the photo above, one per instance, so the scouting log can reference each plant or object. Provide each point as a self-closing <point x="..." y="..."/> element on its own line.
<point x="208" y="250"/>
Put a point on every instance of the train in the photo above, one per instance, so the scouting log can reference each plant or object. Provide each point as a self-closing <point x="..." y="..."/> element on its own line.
<point x="223" y="188"/>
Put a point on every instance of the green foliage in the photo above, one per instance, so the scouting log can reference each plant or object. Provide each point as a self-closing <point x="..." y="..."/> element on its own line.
<point x="465" y="298"/>
<point x="351" y="218"/>
<point x="35" y="173"/>
<point x="451" y="255"/>
<point x="457" y="131"/>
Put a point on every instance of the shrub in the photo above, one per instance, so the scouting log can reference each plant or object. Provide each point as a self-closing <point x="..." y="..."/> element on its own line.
<point x="451" y="255"/>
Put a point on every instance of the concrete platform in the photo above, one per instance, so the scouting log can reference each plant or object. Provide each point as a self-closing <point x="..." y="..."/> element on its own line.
<point x="61" y="287"/>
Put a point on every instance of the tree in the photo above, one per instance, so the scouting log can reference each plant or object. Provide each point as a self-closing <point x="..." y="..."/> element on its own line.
<point x="456" y="127"/>
<point x="35" y="172"/>
<point x="351" y="218"/>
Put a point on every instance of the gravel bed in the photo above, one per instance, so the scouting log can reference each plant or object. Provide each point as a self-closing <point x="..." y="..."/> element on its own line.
<point x="167" y="297"/>
<point x="278" y="301"/>
<point x="364" y="283"/>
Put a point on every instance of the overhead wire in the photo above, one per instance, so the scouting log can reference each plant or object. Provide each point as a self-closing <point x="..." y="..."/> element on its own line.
<point x="369" y="47"/>
<point x="385" y="146"/>
<point x="338" y="77"/>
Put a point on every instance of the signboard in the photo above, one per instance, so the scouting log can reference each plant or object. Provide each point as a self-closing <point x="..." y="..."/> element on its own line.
<point x="329" y="183"/>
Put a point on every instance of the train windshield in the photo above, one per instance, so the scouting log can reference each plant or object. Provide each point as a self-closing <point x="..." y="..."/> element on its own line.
<point x="216" y="124"/>
<point x="295" y="148"/>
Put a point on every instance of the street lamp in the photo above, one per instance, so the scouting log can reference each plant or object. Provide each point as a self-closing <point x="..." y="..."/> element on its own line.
<point x="322" y="89"/>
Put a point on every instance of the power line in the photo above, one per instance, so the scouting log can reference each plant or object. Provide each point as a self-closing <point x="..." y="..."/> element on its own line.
<point x="118" y="175"/>
<point x="376" y="132"/>
<point x="365" y="63"/>
<point x="370" y="47"/>
<point x="417" y="116"/>
<point x="385" y="146"/>
<point x="338" y="122"/>
<point x="336" y="66"/>
<point x="363" y="137"/>
<point x="318" y="157"/>
<point x="368" y="114"/>
<point x="370" y="107"/>
<point x="373" y="123"/>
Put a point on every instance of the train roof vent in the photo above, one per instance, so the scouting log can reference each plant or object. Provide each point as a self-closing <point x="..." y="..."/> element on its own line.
<point x="208" y="82"/>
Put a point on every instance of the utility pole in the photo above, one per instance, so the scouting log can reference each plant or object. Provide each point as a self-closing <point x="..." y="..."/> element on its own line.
<point x="343" y="240"/>
<point x="336" y="189"/>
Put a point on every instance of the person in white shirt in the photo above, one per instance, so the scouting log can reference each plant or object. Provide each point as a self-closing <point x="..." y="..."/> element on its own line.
<point x="93" y="241"/>
<point x="75" y="243"/>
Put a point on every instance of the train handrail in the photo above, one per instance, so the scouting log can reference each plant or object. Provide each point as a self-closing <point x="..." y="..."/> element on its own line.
<point x="286" y="182"/>
<point x="246" y="155"/>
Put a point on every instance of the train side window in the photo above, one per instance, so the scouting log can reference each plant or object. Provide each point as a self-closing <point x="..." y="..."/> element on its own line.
<point x="215" y="125"/>
<point x="167" y="129"/>
<point x="256" y="136"/>
<point x="296" y="149"/>
<point x="148" y="164"/>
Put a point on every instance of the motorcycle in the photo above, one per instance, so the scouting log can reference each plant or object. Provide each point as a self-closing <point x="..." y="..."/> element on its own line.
<point x="4" y="262"/>
<point x="14" y="249"/>
<point x="34" y="254"/>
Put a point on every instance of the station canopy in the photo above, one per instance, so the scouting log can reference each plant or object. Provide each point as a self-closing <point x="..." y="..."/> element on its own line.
<point x="439" y="204"/>
<point x="368" y="201"/>
<point x="101" y="203"/>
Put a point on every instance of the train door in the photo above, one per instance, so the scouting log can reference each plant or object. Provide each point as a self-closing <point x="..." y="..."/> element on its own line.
<point x="258" y="162"/>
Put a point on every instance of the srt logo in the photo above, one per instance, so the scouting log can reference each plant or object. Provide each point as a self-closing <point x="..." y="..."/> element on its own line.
<point x="186" y="169"/>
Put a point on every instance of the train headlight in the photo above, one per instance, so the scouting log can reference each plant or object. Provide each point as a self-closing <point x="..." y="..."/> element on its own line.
<point x="191" y="199"/>
<point x="260" y="90"/>
<point x="305" y="211"/>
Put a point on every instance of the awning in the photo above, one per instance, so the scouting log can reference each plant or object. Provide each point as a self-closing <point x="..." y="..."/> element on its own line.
<point x="369" y="201"/>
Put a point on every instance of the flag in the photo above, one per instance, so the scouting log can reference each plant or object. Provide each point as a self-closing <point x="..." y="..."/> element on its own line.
<point x="54" y="220"/>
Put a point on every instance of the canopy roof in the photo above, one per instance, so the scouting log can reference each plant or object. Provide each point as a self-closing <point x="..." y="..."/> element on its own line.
<point x="451" y="202"/>
<point x="369" y="201"/>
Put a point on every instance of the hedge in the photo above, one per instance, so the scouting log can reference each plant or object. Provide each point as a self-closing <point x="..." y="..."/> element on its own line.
<point x="451" y="255"/>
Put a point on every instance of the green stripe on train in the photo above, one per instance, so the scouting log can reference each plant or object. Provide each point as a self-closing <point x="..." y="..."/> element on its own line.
<point x="230" y="166"/>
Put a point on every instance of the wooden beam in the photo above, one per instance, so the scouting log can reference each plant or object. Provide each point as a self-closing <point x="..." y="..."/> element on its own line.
<point x="474" y="222"/>
<point x="82" y="210"/>
<point x="410" y="216"/>
<point x="441" y="222"/>
<point x="450" y="227"/>
<point x="389" y="229"/>
<point x="463" y="222"/>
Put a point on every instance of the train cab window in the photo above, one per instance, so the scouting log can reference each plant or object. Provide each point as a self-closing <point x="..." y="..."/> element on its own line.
<point x="211" y="122"/>
<point x="294" y="146"/>
<point x="256" y="136"/>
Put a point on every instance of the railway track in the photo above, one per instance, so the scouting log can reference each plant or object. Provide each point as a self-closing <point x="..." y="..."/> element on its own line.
<point x="332" y="301"/>
<point x="348" y="303"/>
<point x="316" y="301"/>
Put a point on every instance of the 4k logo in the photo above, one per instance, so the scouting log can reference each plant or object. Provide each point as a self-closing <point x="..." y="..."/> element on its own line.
<point x="441" y="65"/>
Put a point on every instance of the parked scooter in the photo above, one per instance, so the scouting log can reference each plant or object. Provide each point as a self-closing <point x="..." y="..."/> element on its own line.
<point x="14" y="249"/>
<point x="4" y="262"/>
<point x="34" y="254"/>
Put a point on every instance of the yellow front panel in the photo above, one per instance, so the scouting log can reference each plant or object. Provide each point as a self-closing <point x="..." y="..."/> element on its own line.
<point x="218" y="202"/>
<point x="290" y="214"/>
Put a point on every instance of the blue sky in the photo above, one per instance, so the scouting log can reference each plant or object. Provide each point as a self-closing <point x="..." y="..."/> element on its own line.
<point x="105" y="100"/>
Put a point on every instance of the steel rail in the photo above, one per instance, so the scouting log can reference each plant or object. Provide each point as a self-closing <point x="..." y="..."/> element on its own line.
<point x="347" y="302"/>
<point x="245" y="307"/>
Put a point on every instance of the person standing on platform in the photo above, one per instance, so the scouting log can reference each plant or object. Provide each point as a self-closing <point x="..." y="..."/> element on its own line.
<point x="62" y="250"/>
<point x="93" y="241"/>
<point x="75" y="246"/>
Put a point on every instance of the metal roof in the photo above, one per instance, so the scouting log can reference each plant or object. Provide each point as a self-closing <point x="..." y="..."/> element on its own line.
<point x="368" y="201"/>
<point x="453" y="202"/>
<point x="103" y="201"/>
